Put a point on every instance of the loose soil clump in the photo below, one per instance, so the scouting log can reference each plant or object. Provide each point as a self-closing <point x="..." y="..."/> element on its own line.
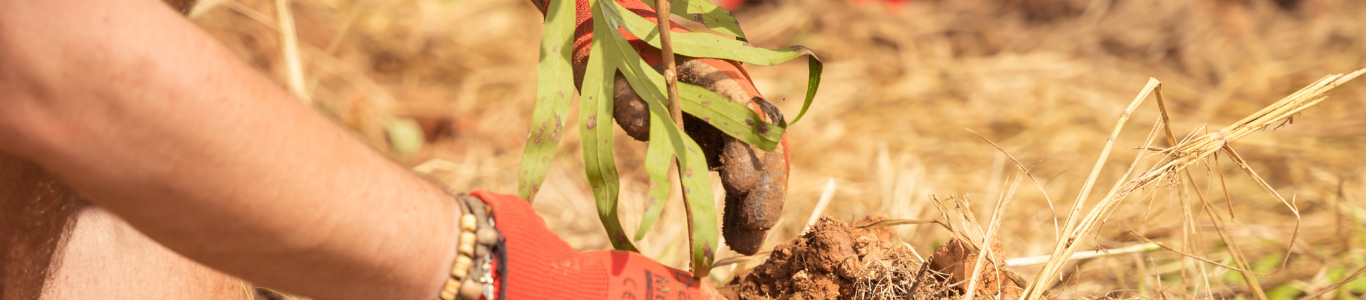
<point x="837" y="261"/>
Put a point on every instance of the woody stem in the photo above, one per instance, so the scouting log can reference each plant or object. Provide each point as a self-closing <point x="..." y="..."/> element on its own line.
<point x="675" y="108"/>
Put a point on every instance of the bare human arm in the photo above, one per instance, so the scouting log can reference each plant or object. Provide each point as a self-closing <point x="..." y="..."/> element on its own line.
<point x="153" y="120"/>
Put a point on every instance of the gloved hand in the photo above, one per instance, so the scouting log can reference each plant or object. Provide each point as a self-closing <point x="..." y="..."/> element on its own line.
<point x="755" y="180"/>
<point x="542" y="266"/>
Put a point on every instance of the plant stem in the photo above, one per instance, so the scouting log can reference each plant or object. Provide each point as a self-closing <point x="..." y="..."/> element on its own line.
<point x="666" y="56"/>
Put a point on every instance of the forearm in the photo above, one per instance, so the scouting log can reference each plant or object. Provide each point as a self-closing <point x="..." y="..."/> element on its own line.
<point x="156" y="122"/>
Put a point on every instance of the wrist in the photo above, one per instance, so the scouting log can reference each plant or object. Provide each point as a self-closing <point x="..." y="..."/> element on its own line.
<point x="542" y="266"/>
<point x="449" y="231"/>
<point x="479" y="245"/>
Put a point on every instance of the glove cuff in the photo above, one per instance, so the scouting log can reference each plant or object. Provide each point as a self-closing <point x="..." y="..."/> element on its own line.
<point x="539" y="264"/>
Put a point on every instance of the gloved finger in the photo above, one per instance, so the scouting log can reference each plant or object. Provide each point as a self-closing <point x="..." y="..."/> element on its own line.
<point x="756" y="186"/>
<point x="721" y="76"/>
<point x="631" y="113"/>
<point x="755" y="180"/>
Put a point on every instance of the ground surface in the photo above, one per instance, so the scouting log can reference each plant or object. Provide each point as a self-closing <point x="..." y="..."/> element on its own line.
<point x="825" y="263"/>
<point x="1044" y="79"/>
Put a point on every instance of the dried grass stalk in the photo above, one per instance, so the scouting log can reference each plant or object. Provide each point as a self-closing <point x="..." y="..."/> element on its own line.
<point x="1179" y="157"/>
<point x="289" y="38"/>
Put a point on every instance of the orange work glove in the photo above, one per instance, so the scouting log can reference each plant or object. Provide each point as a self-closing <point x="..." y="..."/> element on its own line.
<point x="542" y="266"/>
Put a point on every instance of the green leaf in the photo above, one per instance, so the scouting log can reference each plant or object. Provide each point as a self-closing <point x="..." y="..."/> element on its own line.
<point x="728" y="116"/>
<point x="554" y="89"/>
<point x="813" y="82"/>
<point x="595" y="115"/>
<point x="697" y="190"/>
<point x="697" y="44"/>
<point x="649" y="86"/>
<point x="733" y="118"/>
<point x="702" y="11"/>
<point x="695" y="179"/>
<point x="658" y="158"/>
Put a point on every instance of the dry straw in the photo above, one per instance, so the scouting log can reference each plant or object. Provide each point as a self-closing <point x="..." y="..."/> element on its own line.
<point x="289" y="38"/>
<point x="1177" y="158"/>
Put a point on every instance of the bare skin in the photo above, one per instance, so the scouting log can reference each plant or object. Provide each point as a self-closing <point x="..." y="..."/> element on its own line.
<point x="98" y="246"/>
<point x="102" y="246"/>
<point x="173" y="139"/>
<point x="34" y="210"/>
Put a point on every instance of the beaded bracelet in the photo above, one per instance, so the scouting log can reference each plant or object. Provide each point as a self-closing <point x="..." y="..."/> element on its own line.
<point x="480" y="242"/>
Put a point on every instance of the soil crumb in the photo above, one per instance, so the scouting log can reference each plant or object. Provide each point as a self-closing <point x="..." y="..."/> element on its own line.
<point x="837" y="261"/>
<point x="956" y="261"/>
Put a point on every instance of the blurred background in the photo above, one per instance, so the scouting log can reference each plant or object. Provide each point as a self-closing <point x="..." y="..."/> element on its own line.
<point x="447" y="87"/>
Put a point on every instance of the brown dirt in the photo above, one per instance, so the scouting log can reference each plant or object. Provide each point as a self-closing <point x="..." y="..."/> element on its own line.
<point x="837" y="261"/>
<point x="955" y="261"/>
